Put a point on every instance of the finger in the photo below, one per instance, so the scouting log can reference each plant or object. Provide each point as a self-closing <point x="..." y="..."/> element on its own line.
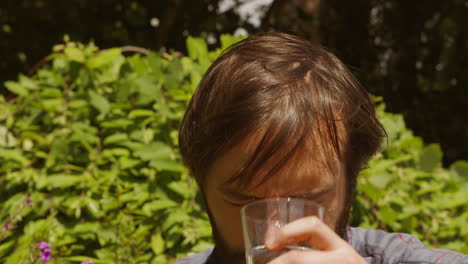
<point x="272" y="222"/>
<point x="306" y="257"/>
<point x="271" y="230"/>
<point x="308" y="229"/>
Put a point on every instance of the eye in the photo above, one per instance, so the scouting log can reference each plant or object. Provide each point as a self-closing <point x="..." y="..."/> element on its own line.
<point x="239" y="203"/>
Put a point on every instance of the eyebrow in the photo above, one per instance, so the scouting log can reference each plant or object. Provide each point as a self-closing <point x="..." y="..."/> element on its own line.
<point x="307" y="194"/>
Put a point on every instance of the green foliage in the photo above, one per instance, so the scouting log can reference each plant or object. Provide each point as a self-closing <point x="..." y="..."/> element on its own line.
<point x="91" y="140"/>
<point x="405" y="189"/>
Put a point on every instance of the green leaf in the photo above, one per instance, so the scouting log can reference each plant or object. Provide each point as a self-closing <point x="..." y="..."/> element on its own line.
<point x="28" y="83"/>
<point x="99" y="102"/>
<point x="157" y="243"/>
<point x="139" y="64"/>
<point x="161" y="259"/>
<point x="140" y="113"/>
<point x="117" y="123"/>
<point x="52" y="105"/>
<point x="154" y="61"/>
<point x="228" y="40"/>
<point x="380" y="179"/>
<point x="158" y="205"/>
<point x="59" y="181"/>
<point x="160" y="156"/>
<point x="197" y="48"/>
<point x="143" y="135"/>
<point x="120" y="152"/>
<point x="388" y="215"/>
<point x="166" y="164"/>
<point x="16" y="88"/>
<point x="115" y="138"/>
<point x="76" y="104"/>
<point x="93" y="207"/>
<point x="50" y="93"/>
<point x="173" y="79"/>
<point x="5" y="247"/>
<point x="202" y="245"/>
<point x="103" y="58"/>
<point x="155" y="150"/>
<point x="106" y="254"/>
<point x="460" y="168"/>
<point x="6" y="138"/>
<point x="149" y="90"/>
<point x="177" y="216"/>
<point x="111" y="73"/>
<point x="14" y="155"/>
<point x="127" y="163"/>
<point x="180" y="187"/>
<point x="371" y="191"/>
<point x="88" y="227"/>
<point x="75" y="54"/>
<point x="138" y="194"/>
<point x="431" y="158"/>
<point x="195" y="77"/>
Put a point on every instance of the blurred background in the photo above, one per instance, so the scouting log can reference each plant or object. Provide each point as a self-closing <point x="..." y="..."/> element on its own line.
<point x="413" y="53"/>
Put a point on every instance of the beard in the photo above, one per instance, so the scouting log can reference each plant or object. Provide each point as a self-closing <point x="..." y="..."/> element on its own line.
<point x="224" y="254"/>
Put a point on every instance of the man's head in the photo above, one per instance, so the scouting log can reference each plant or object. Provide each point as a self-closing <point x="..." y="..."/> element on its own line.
<point x="276" y="116"/>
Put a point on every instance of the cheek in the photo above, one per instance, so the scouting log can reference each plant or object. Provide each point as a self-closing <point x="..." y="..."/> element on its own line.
<point x="227" y="221"/>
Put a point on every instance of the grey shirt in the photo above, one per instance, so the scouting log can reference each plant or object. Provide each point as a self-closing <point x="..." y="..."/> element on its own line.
<point x="378" y="247"/>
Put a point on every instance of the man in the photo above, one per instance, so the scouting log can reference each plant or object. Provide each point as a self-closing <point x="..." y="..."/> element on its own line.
<point x="276" y="116"/>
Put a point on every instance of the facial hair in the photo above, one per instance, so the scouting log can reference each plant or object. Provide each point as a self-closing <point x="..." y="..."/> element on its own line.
<point x="222" y="253"/>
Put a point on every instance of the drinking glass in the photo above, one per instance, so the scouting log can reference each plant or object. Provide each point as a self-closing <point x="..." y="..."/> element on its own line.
<point x="263" y="217"/>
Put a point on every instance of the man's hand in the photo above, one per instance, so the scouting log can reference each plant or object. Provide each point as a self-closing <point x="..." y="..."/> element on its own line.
<point x="331" y="248"/>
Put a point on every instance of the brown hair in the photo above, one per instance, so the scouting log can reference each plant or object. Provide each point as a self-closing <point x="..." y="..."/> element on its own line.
<point x="291" y="92"/>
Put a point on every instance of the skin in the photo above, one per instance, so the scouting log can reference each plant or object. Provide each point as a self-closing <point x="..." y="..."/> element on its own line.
<point x="302" y="177"/>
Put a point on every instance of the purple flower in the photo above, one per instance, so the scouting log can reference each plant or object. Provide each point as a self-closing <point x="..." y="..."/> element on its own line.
<point x="87" y="262"/>
<point x="45" y="257"/>
<point x="29" y="201"/>
<point x="43" y="245"/>
<point x="45" y="251"/>
<point x="7" y="226"/>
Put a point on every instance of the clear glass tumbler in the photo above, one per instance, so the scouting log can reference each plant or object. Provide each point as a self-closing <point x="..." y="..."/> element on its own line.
<point x="262" y="217"/>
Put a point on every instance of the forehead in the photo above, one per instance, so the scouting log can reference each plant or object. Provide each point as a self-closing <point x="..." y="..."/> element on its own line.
<point x="309" y="168"/>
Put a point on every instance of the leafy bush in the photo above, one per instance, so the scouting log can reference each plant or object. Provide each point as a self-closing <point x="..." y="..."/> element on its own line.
<point x="89" y="163"/>
<point x="405" y="189"/>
